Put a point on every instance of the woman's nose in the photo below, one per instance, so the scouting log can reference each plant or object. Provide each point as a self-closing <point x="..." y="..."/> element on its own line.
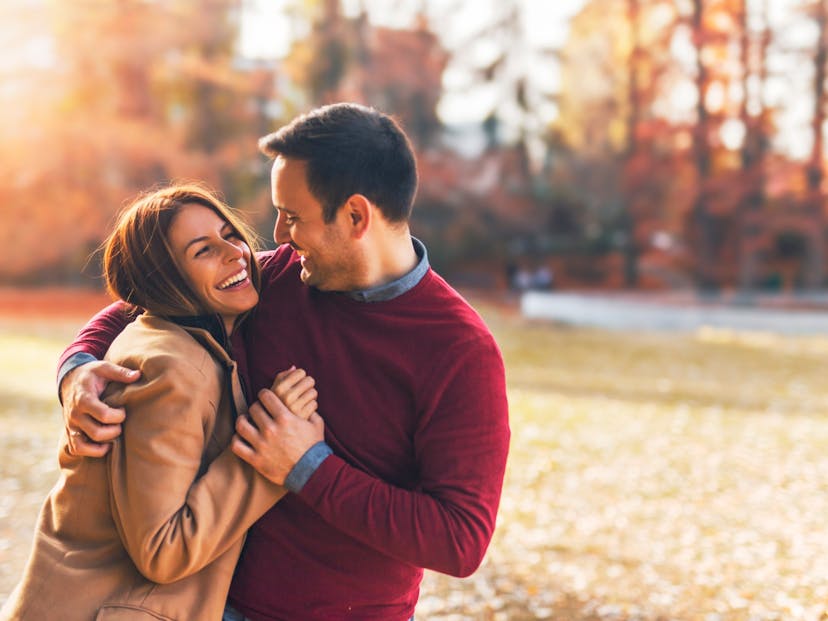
<point x="233" y="250"/>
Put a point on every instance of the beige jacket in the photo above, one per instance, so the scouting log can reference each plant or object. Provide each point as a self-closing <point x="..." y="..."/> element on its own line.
<point x="154" y="531"/>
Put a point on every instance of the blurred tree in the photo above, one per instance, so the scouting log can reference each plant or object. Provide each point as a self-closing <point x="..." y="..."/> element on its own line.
<point x="508" y="68"/>
<point x="815" y="198"/>
<point x="703" y="225"/>
<point x="350" y="59"/>
<point x="386" y="56"/>
<point x="727" y="140"/>
<point x="633" y="147"/>
<point x="754" y="117"/>
<point x="619" y="74"/>
<point x="318" y="61"/>
<point x="132" y="94"/>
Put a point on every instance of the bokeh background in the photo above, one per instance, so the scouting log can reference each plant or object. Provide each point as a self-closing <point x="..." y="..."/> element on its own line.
<point x="614" y="143"/>
<point x="633" y="160"/>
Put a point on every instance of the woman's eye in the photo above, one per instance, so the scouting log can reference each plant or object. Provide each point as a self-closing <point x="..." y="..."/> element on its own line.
<point x="202" y="251"/>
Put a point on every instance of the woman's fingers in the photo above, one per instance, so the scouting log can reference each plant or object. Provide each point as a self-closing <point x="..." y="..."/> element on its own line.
<point x="308" y="410"/>
<point x="300" y="404"/>
<point x="298" y="392"/>
<point x="287" y="378"/>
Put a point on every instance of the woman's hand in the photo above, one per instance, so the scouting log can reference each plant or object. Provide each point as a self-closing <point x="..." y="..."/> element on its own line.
<point x="295" y="388"/>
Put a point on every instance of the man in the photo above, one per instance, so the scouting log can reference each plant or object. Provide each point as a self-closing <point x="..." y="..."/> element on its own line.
<point x="408" y="470"/>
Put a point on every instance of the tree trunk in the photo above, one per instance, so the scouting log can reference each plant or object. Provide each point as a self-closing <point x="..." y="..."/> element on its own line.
<point x="631" y="251"/>
<point x="815" y="269"/>
<point x="754" y="148"/>
<point x="702" y="222"/>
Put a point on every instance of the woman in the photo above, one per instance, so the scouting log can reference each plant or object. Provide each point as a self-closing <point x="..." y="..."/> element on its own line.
<point x="154" y="530"/>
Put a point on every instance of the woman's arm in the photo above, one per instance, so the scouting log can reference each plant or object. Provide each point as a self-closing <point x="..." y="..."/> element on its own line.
<point x="171" y="522"/>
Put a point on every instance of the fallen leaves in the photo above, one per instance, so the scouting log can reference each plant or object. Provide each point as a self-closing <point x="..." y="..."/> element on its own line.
<point x="652" y="477"/>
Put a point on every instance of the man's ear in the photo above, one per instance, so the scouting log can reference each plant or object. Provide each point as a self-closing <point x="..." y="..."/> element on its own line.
<point x="360" y="212"/>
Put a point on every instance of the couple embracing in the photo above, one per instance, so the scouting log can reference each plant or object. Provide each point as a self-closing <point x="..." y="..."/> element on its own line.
<point x="286" y="435"/>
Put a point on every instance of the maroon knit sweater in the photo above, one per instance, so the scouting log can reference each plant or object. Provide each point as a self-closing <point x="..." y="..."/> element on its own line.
<point x="413" y="396"/>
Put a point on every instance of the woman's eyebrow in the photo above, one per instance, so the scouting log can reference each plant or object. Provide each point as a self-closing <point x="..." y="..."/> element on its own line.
<point x="195" y="241"/>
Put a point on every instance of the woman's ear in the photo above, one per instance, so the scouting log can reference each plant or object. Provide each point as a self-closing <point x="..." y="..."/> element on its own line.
<point x="360" y="212"/>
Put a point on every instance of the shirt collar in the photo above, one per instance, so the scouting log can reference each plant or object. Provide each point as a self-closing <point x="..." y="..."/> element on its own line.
<point x="396" y="288"/>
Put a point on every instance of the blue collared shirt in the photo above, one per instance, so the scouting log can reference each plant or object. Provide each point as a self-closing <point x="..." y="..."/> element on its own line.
<point x="396" y="288"/>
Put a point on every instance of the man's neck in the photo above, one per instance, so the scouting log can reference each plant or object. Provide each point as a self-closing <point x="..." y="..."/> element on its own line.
<point x="392" y="257"/>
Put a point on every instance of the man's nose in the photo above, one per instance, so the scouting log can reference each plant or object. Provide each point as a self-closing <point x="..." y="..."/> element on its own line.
<point x="280" y="231"/>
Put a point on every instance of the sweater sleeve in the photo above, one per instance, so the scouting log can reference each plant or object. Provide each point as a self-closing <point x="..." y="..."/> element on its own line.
<point x="97" y="335"/>
<point x="100" y="331"/>
<point x="461" y="446"/>
<point x="171" y="521"/>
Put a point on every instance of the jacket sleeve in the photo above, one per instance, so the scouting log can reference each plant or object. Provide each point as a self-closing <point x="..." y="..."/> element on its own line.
<point x="172" y="521"/>
<point x="460" y="446"/>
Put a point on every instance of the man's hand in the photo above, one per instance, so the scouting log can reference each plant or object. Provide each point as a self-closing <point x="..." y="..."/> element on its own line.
<point x="272" y="439"/>
<point x="91" y="424"/>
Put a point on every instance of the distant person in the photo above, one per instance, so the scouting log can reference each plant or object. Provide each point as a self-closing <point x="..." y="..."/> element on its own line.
<point x="522" y="278"/>
<point x="542" y="278"/>
<point x="154" y="530"/>
<point x="409" y="469"/>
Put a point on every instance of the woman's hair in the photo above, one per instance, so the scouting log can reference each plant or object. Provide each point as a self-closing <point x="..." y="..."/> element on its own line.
<point x="139" y="265"/>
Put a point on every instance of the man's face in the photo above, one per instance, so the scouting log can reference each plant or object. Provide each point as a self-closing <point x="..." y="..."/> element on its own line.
<point x="326" y="249"/>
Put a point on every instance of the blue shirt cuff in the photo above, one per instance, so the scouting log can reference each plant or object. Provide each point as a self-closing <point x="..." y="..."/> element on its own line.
<point x="72" y="362"/>
<point x="306" y="466"/>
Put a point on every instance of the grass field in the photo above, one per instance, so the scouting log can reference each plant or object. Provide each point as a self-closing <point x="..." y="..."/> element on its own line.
<point x="651" y="476"/>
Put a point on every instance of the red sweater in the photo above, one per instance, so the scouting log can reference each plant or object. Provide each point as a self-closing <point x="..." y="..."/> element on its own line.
<point x="413" y="396"/>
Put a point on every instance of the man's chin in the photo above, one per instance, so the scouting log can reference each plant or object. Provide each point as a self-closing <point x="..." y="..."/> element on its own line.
<point x="306" y="277"/>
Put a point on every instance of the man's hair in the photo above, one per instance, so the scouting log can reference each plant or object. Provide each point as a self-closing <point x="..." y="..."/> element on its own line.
<point x="139" y="265"/>
<point x="350" y="149"/>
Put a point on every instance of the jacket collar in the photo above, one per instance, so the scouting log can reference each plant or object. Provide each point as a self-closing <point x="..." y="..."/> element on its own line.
<point x="212" y="324"/>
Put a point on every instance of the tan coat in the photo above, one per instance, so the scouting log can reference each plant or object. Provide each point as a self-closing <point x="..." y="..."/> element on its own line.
<point x="153" y="531"/>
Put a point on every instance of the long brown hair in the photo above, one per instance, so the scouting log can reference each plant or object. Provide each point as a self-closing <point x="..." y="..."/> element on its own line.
<point x="139" y="264"/>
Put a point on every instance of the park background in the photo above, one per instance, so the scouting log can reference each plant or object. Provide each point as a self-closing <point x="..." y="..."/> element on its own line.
<point x="672" y="149"/>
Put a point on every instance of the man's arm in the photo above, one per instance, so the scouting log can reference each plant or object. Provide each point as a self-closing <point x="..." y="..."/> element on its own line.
<point x="96" y="336"/>
<point x="91" y="424"/>
<point x="461" y="447"/>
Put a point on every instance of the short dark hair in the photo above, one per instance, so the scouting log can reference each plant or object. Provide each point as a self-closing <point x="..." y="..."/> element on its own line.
<point x="139" y="264"/>
<point x="351" y="149"/>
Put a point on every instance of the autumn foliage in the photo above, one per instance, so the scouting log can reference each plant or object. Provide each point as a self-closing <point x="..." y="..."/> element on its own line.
<point x="680" y="152"/>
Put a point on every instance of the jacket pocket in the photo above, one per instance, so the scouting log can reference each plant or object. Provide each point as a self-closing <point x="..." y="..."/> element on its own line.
<point x="125" y="612"/>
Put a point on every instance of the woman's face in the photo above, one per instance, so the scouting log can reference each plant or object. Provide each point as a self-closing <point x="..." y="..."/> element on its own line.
<point x="214" y="260"/>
